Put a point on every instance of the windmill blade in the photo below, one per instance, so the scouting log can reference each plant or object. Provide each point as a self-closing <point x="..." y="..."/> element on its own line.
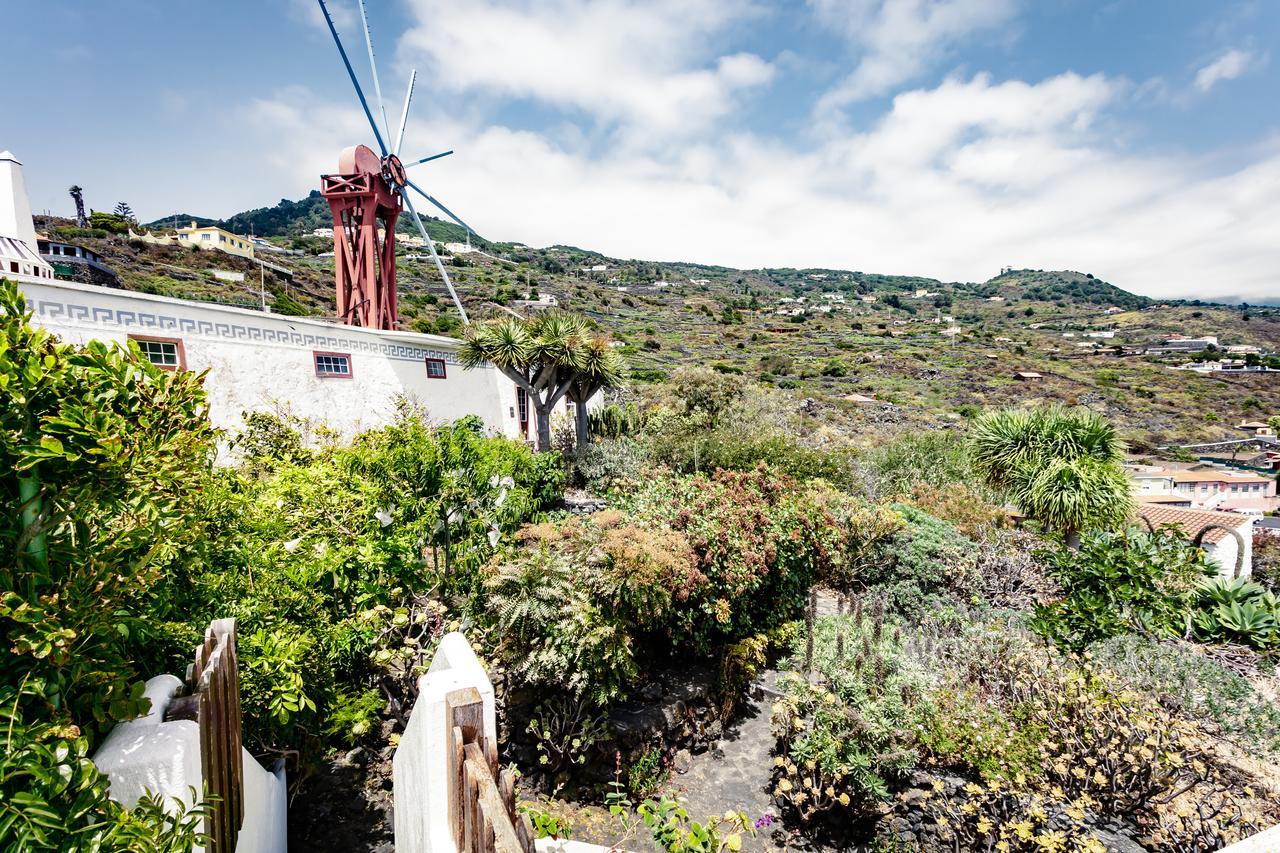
<point x="429" y="159"/>
<point x="422" y="229"/>
<point x="404" y="114"/>
<point x="447" y="212"/>
<point x="352" y="74"/>
<point x="373" y="66"/>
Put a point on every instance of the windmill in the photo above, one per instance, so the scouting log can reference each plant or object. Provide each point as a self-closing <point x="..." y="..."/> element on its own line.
<point x="366" y="197"/>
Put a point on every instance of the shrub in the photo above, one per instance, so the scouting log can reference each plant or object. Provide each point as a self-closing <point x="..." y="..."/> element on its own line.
<point x="611" y="464"/>
<point x="925" y="561"/>
<point x="842" y="746"/>
<point x="325" y="559"/>
<point x="959" y="504"/>
<point x="932" y="458"/>
<point x="1118" y="582"/>
<point x="1184" y="677"/>
<point x="101" y="455"/>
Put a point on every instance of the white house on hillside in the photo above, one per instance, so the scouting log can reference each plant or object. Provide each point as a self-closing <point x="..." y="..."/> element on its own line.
<point x="346" y="377"/>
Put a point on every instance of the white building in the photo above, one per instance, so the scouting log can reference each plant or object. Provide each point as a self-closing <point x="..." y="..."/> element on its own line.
<point x="19" y="251"/>
<point x="346" y="377"/>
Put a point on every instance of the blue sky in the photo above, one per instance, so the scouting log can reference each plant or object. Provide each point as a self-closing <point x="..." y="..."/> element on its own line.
<point x="1139" y="141"/>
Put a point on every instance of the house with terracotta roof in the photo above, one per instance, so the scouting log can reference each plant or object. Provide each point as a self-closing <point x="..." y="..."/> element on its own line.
<point x="1226" y="537"/>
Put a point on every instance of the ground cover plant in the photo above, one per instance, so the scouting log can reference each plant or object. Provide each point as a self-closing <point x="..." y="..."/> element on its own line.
<point x="988" y="686"/>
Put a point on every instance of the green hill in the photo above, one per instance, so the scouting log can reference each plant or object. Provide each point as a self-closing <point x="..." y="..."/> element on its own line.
<point x="296" y="218"/>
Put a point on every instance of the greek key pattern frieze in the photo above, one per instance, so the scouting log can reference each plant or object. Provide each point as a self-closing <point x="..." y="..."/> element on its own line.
<point x="142" y="321"/>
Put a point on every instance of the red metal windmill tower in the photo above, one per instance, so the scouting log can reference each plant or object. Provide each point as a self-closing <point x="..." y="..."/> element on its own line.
<point x="366" y="198"/>
<point x="365" y="209"/>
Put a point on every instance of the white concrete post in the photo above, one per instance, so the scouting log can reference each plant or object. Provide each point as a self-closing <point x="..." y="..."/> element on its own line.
<point x="422" y="791"/>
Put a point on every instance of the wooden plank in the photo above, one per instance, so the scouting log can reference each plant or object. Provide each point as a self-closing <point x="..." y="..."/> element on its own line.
<point x="454" y="761"/>
<point x="490" y="802"/>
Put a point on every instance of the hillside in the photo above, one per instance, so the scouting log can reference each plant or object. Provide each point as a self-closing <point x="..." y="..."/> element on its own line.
<point x="301" y="217"/>
<point x="930" y="352"/>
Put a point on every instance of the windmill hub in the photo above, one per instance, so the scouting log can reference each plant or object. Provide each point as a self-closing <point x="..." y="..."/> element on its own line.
<point x="393" y="171"/>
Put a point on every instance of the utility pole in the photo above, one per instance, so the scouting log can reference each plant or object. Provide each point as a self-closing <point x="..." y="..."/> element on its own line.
<point x="262" y="283"/>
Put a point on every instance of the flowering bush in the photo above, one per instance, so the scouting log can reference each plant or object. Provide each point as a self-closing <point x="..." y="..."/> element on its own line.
<point x="843" y="743"/>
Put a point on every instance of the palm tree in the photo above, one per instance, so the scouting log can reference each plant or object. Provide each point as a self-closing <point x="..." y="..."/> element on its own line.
<point x="1062" y="467"/>
<point x="77" y="195"/>
<point x="546" y="356"/>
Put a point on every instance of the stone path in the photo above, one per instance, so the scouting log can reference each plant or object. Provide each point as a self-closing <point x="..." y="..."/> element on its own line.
<point x="736" y="774"/>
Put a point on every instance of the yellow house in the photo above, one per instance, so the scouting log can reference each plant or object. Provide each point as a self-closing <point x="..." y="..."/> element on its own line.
<point x="202" y="236"/>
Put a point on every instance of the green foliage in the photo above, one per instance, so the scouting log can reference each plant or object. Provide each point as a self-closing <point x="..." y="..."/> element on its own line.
<point x="647" y="773"/>
<point x="1118" y="582"/>
<point x="565" y="730"/>
<point x="112" y="223"/>
<point x="1188" y="678"/>
<point x="613" y="463"/>
<point x="673" y="831"/>
<point x="932" y="457"/>
<point x="1238" y="611"/>
<point x="924" y="563"/>
<point x="1061" y="466"/>
<point x="844" y="743"/>
<point x="101" y="455"/>
<point x="616" y="420"/>
<point x="326" y="557"/>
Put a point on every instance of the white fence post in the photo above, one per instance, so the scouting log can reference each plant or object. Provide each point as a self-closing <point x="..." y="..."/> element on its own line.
<point x="422" y="790"/>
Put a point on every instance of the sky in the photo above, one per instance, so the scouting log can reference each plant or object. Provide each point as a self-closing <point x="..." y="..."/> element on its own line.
<point x="1138" y="140"/>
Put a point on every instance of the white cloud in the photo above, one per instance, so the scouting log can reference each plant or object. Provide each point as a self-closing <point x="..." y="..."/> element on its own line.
<point x="898" y="39"/>
<point x="1228" y="66"/>
<point x="953" y="182"/>
<point x="647" y="65"/>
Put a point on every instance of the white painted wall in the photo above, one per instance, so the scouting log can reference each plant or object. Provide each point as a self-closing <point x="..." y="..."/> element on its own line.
<point x="420" y="763"/>
<point x="258" y="360"/>
<point x="1223" y="553"/>
<point x="149" y="754"/>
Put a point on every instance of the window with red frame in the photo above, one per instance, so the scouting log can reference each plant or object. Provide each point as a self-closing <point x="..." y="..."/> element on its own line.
<point x="436" y="369"/>
<point x="333" y="365"/>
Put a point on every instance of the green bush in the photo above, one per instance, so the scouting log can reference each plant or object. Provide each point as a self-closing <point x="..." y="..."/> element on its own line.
<point x="844" y="743"/>
<point x="934" y="458"/>
<point x="1118" y="582"/>
<point x="325" y="557"/>
<point x="927" y="562"/>
<point x="1188" y="679"/>
<point x="101" y="455"/>
<point x="612" y="463"/>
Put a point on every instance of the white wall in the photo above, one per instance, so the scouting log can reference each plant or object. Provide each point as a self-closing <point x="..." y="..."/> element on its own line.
<point x="258" y="360"/>
<point x="1224" y="552"/>
<point x="148" y="754"/>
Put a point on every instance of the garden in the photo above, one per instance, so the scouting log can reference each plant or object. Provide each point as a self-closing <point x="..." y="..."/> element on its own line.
<point x="927" y="673"/>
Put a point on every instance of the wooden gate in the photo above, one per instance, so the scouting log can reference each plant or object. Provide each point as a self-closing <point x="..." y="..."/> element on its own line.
<point x="213" y="701"/>
<point x="482" y="815"/>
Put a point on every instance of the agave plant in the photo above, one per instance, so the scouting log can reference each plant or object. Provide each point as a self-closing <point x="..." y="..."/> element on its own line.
<point x="1224" y="591"/>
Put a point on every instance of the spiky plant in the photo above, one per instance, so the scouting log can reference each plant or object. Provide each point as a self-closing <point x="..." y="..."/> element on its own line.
<point x="1060" y="466"/>
<point x="547" y="356"/>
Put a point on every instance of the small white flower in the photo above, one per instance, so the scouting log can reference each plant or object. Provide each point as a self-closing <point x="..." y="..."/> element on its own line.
<point x="384" y="517"/>
<point x="507" y="483"/>
<point x="493" y="539"/>
<point x="292" y="544"/>
<point x="493" y="481"/>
